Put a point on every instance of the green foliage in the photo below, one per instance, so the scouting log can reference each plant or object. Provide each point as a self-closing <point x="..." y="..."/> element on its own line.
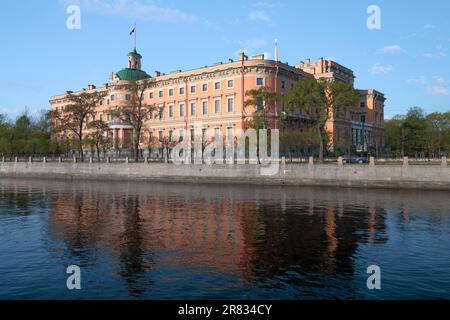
<point x="418" y="134"/>
<point x="26" y="135"/>
<point x="263" y="100"/>
<point x="319" y="101"/>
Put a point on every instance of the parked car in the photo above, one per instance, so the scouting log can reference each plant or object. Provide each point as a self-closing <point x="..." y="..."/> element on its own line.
<point x="354" y="159"/>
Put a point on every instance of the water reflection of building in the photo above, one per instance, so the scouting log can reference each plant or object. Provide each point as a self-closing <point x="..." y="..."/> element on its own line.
<point x="263" y="236"/>
<point x="242" y="231"/>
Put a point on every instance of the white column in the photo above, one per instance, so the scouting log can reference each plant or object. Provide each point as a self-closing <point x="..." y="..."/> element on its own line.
<point x="114" y="139"/>
<point x="122" y="139"/>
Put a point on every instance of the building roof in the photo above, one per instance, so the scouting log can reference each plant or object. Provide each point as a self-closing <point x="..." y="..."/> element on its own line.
<point x="130" y="74"/>
<point x="134" y="52"/>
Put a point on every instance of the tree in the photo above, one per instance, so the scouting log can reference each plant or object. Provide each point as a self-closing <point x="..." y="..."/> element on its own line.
<point x="73" y="118"/>
<point x="5" y="135"/>
<point x="414" y="131"/>
<point x="419" y="134"/>
<point x="321" y="101"/>
<point x="438" y="125"/>
<point x="264" y="101"/>
<point x="98" y="135"/>
<point x="136" y="111"/>
<point x="394" y="134"/>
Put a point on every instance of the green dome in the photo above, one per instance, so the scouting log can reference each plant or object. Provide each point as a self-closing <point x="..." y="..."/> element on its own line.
<point x="135" y="53"/>
<point x="129" y="74"/>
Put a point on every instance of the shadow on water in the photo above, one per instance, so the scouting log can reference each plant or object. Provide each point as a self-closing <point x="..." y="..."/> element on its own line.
<point x="140" y="240"/>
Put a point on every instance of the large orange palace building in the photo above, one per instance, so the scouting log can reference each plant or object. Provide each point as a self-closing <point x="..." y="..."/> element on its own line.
<point x="212" y="97"/>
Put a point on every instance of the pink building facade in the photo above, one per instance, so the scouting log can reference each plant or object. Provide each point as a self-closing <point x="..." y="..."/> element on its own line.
<point x="211" y="99"/>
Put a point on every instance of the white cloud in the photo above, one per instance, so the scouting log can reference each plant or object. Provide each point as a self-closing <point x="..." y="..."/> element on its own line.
<point x="378" y="68"/>
<point x="437" y="86"/>
<point x="256" y="42"/>
<point x="391" y="49"/>
<point x="429" y="26"/>
<point x="259" y="15"/>
<point x="430" y="55"/>
<point x="267" y="4"/>
<point x="253" y="47"/>
<point x="420" y="80"/>
<point x="438" y="90"/>
<point x="137" y="9"/>
<point x="440" y="80"/>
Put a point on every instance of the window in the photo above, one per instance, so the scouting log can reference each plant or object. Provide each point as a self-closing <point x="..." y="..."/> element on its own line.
<point x="151" y="95"/>
<point x="230" y="104"/>
<point x="259" y="82"/>
<point x="283" y="84"/>
<point x="192" y="89"/>
<point x="204" y="134"/>
<point x="193" y="109"/>
<point x="171" y="111"/>
<point x="170" y="92"/>
<point x="216" y="133"/>
<point x="181" y="91"/>
<point x="101" y="102"/>
<point x="152" y="114"/>
<point x="205" y="87"/>
<point x="160" y="136"/>
<point x="217" y="86"/>
<point x="217" y="106"/>
<point x="205" y="107"/>
<point x="128" y="97"/>
<point x="170" y="135"/>
<point x="112" y="97"/>
<point x="192" y="134"/>
<point x="259" y="103"/>
<point x="230" y="83"/>
<point x="362" y="105"/>
<point x="181" y="106"/>
<point x="151" y="138"/>
<point x="363" y="118"/>
<point x="161" y="93"/>
<point x="160" y="113"/>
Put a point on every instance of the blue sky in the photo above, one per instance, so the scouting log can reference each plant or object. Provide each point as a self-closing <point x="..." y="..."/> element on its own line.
<point x="408" y="58"/>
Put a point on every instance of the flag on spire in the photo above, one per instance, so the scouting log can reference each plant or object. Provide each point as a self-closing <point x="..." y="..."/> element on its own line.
<point x="133" y="30"/>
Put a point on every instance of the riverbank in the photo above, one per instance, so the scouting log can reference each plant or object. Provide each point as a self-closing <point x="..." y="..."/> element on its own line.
<point x="380" y="176"/>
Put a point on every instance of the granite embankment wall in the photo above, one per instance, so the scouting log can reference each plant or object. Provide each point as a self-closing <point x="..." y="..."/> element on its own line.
<point x="383" y="176"/>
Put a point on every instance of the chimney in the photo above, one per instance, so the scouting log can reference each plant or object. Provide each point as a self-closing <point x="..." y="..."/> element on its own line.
<point x="157" y="73"/>
<point x="258" y="57"/>
<point x="242" y="56"/>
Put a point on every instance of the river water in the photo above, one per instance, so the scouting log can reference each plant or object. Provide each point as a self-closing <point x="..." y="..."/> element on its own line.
<point x="188" y="241"/>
